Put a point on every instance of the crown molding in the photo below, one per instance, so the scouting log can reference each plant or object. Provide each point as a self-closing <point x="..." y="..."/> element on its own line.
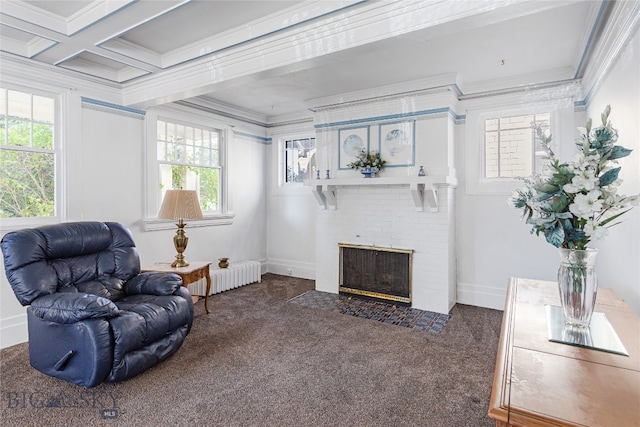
<point x="559" y="91"/>
<point x="303" y="119"/>
<point x="596" y="21"/>
<point x="623" y="22"/>
<point x="442" y="83"/>
<point x="17" y="70"/>
<point x="209" y="105"/>
<point x="516" y="83"/>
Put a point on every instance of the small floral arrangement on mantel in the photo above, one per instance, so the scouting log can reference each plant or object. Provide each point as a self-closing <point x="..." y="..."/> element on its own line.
<point x="574" y="202"/>
<point x="368" y="162"/>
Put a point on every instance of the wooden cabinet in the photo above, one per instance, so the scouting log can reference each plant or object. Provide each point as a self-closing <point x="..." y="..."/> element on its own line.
<point x="542" y="383"/>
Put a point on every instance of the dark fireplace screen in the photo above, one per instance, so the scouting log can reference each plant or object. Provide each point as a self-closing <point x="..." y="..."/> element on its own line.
<point x="376" y="272"/>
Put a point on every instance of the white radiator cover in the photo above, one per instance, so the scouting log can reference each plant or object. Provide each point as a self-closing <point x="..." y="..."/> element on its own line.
<point x="223" y="279"/>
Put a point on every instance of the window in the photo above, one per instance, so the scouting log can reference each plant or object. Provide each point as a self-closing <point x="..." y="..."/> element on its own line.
<point x="299" y="159"/>
<point x="189" y="158"/>
<point x="187" y="149"/>
<point x="511" y="147"/>
<point x="500" y="145"/>
<point x="28" y="155"/>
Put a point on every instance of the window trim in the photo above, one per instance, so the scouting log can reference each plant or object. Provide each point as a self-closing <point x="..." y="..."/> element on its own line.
<point x="533" y="154"/>
<point x="61" y="104"/>
<point x="225" y="215"/>
<point x="292" y="188"/>
<point x="476" y="183"/>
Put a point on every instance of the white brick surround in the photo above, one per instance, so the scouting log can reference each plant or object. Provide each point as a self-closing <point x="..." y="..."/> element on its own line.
<point x="385" y="215"/>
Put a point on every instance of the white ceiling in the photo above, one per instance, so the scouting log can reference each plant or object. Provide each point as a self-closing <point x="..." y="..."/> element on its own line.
<point x="492" y="46"/>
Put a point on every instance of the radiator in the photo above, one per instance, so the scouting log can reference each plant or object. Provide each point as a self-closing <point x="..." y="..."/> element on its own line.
<point x="223" y="279"/>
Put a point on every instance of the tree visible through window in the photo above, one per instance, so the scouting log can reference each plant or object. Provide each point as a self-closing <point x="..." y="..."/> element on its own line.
<point x="189" y="158"/>
<point x="511" y="148"/>
<point x="300" y="159"/>
<point x="27" y="155"/>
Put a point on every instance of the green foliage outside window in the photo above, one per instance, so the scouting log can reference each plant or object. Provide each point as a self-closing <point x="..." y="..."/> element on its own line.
<point x="207" y="181"/>
<point x="27" y="182"/>
<point x="188" y="157"/>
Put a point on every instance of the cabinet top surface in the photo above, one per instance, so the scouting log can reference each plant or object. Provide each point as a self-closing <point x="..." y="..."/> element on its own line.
<point x="539" y="382"/>
<point x="529" y="323"/>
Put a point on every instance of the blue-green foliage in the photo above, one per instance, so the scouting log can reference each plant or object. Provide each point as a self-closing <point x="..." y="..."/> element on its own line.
<point x="548" y="200"/>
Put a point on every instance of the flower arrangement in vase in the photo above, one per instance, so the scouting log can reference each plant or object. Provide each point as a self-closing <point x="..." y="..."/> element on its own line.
<point x="573" y="202"/>
<point x="369" y="163"/>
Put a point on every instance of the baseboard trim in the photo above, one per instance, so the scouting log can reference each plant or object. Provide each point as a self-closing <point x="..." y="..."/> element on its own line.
<point x="481" y="296"/>
<point x="13" y="330"/>
<point x="302" y="270"/>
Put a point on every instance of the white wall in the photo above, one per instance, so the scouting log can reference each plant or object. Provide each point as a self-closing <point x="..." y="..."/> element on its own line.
<point x="618" y="264"/>
<point x="106" y="183"/>
<point x="494" y="244"/>
<point x="291" y="237"/>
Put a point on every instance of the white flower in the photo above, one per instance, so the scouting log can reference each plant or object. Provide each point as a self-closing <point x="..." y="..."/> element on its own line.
<point x="591" y="206"/>
<point x="594" y="231"/>
<point x="584" y="180"/>
<point x="586" y="205"/>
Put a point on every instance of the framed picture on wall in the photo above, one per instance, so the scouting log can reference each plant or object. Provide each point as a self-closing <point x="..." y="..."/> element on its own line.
<point x="397" y="143"/>
<point x="352" y="141"/>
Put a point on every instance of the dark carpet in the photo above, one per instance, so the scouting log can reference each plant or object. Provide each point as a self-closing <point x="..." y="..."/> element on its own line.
<point x="257" y="360"/>
<point x="379" y="311"/>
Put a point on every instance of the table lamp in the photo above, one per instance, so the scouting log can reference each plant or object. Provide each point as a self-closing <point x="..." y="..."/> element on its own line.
<point x="180" y="205"/>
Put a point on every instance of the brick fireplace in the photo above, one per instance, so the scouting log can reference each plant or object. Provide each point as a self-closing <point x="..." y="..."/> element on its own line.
<point x="386" y="216"/>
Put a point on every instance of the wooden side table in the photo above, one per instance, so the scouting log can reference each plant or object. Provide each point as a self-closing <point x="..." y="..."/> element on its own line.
<point x="538" y="382"/>
<point x="195" y="271"/>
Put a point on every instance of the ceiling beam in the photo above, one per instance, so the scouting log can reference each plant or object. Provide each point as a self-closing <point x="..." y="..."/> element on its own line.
<point x="299" y="47"/>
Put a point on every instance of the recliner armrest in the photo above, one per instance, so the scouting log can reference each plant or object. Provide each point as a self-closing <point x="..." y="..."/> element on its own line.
<point x="73" y="307"/>
<point x="153" y="283"/>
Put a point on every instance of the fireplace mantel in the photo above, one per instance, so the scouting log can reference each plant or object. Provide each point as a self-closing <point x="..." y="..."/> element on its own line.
<point x="422" y="188"/>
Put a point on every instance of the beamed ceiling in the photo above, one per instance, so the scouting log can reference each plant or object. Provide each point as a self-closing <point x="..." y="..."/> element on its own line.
<point x="270" y="58"/>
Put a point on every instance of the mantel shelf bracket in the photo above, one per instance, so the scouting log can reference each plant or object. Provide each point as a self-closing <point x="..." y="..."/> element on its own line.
<point x="329" y="192"/>
<point x="420" y="193"/>
<point x="431" y="196"/>
<point x="319" y="195"/>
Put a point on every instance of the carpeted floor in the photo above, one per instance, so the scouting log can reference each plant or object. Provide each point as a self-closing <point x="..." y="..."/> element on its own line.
<point x="257" y="360"/>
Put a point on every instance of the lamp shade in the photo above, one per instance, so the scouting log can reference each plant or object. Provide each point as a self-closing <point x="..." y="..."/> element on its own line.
<point x="180" y="204"/>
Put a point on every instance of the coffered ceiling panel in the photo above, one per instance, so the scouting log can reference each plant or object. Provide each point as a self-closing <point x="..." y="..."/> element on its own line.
<point x="202" y="27"/>
<point x="61" y="8"/>
<point x="103" y="67"/>
<point x="22" y="43"/>
<point x="197" y="21"/>
<point x="62" y="16"/>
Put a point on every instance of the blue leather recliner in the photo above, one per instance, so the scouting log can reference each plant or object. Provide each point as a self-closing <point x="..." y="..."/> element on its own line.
<point x="92" y="316"/>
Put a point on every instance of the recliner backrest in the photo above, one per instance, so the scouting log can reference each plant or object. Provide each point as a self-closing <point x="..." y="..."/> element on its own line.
<point x="91" y="257"/>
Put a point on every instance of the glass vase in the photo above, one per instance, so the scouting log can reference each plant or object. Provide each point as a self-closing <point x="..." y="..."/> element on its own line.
<point x="578" y="285"/>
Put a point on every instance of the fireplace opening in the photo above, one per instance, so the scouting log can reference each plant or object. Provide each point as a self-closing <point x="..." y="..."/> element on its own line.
<point x="376" y="272"/>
